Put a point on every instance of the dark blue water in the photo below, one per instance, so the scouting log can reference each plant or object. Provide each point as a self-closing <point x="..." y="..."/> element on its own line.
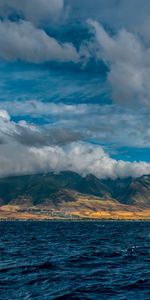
<point x="75" y="260"/>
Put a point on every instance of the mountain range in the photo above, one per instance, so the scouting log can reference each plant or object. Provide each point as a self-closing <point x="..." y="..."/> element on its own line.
<point x="68" y="193"/>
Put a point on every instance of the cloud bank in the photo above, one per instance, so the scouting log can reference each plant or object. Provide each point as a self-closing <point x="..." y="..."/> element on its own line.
<point x="108" y="123"/>
<point x="129" y="63"/>
<point x="23" y="41"/>
<point x="25" y="150"/>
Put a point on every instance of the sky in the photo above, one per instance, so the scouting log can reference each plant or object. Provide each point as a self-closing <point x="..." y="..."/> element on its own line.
<point x="75" y="87"/>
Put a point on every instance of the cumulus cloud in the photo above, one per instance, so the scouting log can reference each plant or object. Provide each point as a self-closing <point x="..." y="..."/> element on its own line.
<point x="4" y="115"/>
<point x="23" y="41"/>
<point x="28" y="150"/>
<point x="78" y="157"/>
<point x="32" y="135"/>
<point x="37" y="137"/>
<point x="108" y="123"/>
<point x="33" y="10"/>
<point x="129" y="63"/>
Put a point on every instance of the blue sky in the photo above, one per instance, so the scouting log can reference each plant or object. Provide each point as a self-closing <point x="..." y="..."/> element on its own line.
<point x="74" y="87"/>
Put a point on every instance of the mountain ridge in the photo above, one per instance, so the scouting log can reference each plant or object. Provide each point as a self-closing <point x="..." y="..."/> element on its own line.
<point x="69" y="192"/>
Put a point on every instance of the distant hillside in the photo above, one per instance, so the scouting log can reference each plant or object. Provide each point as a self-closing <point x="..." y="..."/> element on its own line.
<point x="40" y="188"/>
<point x="43" y="187"/>
<point x="137" y="192"/>
<point x="68" y="192"/>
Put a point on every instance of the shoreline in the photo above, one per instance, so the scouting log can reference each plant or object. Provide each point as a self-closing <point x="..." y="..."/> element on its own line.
<point x="75" y="220"/>
<point x="20" y="213"/>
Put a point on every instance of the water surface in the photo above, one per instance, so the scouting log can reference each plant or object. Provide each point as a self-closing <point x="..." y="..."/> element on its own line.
<point x="75" y="260"/>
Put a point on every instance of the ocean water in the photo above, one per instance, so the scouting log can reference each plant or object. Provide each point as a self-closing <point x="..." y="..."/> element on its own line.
<point x="75" y="260"/>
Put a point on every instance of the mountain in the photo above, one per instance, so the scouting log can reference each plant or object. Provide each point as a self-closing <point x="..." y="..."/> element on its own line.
<point x="118" y="186"/>
<point x="69" y="193"/>
<point x="39" y="188"/>
<point x="137" y="192"/>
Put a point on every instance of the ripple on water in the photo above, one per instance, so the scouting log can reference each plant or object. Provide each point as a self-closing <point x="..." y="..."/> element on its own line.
<point x="75" y="260"/>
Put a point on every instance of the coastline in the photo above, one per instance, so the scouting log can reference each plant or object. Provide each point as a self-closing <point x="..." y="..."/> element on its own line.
<point x="75" y="220"/>
<point x="116" y="213"/>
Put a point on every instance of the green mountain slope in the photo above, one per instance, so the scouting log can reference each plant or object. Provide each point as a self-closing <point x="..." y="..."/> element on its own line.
<point x="45" y="189"/>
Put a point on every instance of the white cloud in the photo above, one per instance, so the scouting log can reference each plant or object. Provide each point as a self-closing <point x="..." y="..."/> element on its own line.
<point x="32" y="135"/>
<point x="108" y="123"/>
<point x="33" y="10"/>
<point x="78" y="157"/>
<point x="23" y="41"/>
<point x="23" y="150"/>
<point x="4" y="115"/>
<point x="129" y="63"/>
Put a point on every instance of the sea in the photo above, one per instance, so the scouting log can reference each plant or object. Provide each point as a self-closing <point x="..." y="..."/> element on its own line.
<point x="74" y="260"/>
